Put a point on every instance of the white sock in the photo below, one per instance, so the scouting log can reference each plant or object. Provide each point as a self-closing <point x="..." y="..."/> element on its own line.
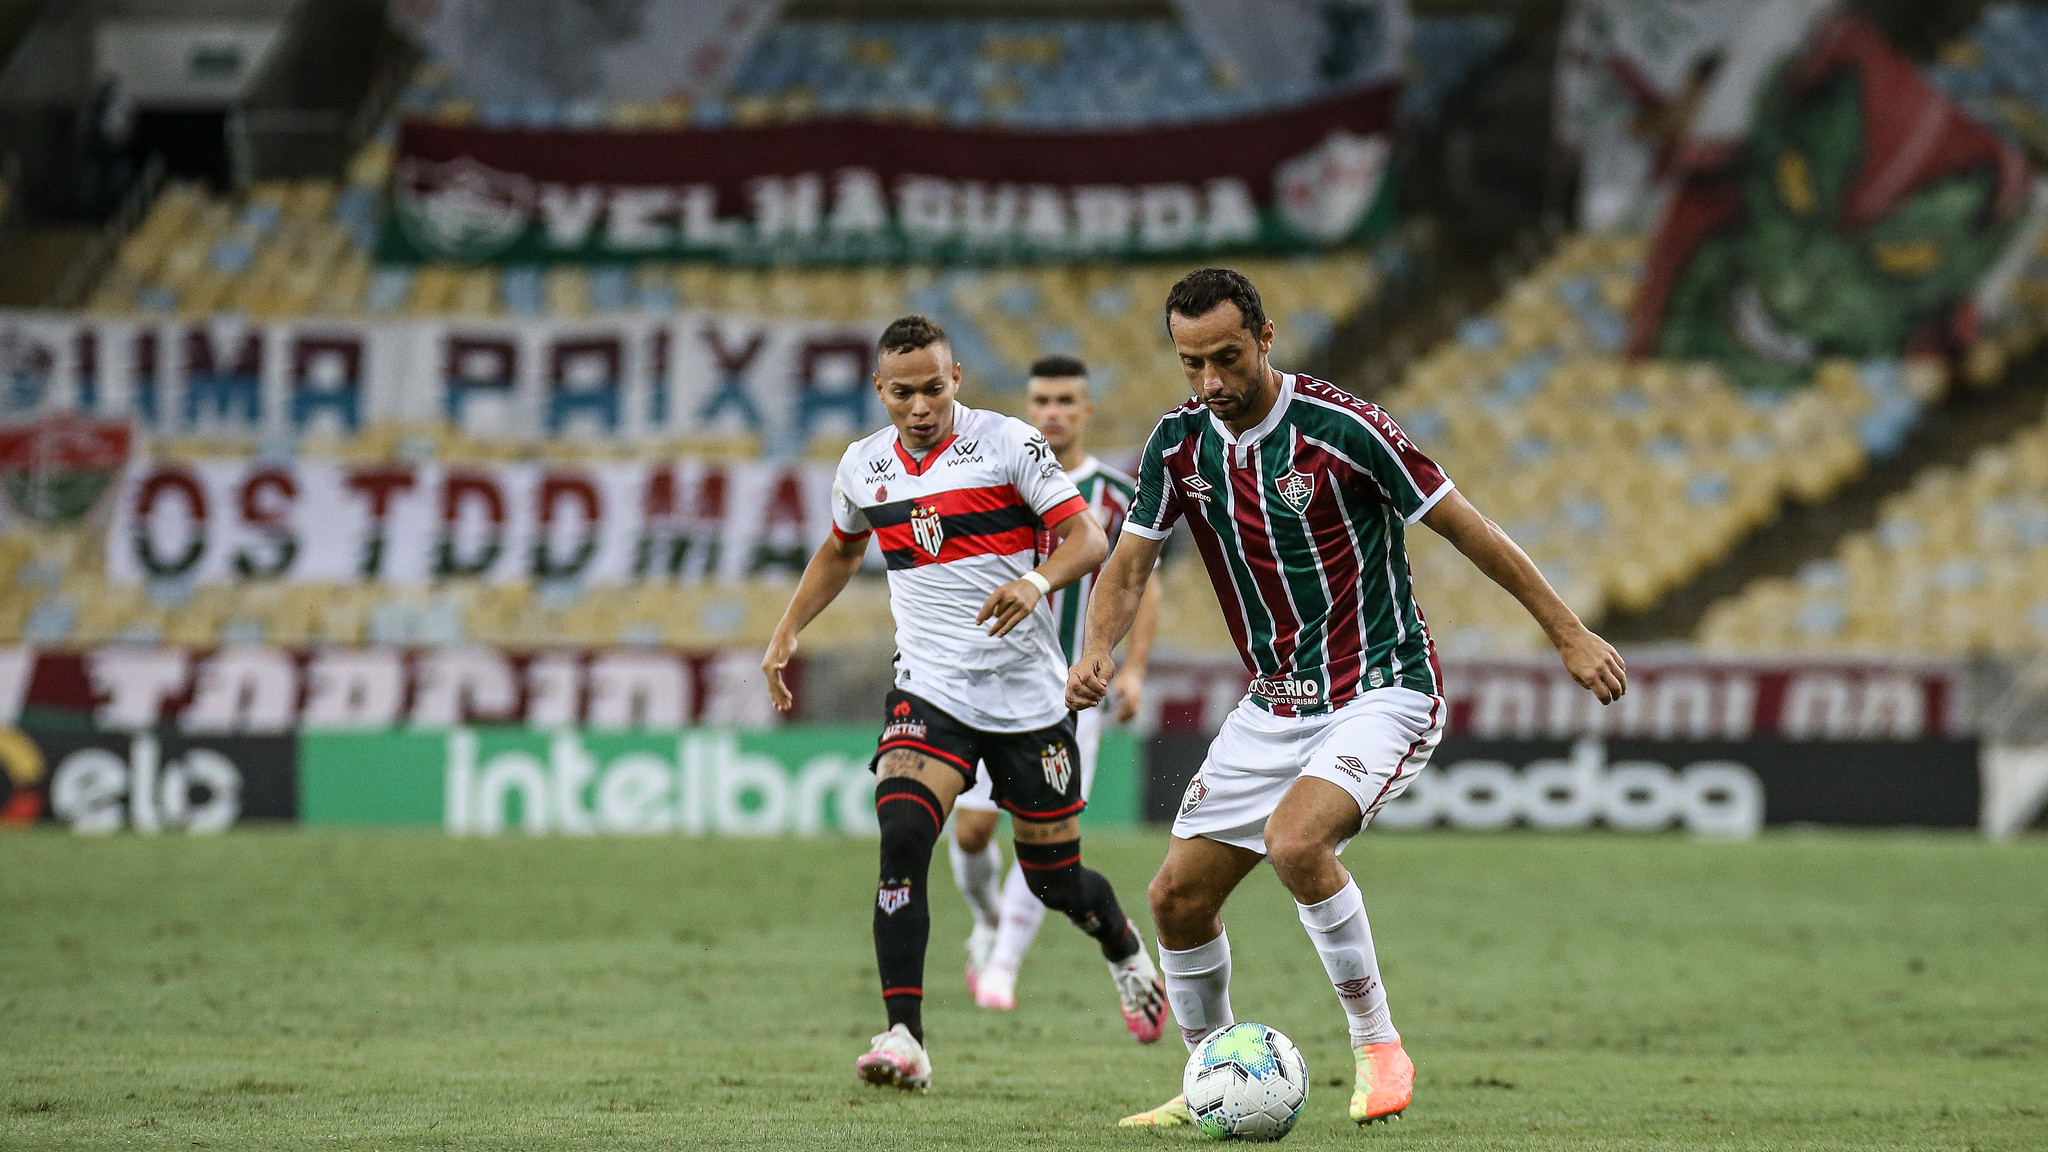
<point x="1022" y="914"/>
<point x="1198" y="987"/>
<point x="979" y="878"/>
<point x="1343" y="939"/>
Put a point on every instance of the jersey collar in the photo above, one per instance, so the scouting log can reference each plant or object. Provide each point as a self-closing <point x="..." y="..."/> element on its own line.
<point x="1244" y="444"/>
<point x="1089" y="467"/>
<point x="912" y="465"/>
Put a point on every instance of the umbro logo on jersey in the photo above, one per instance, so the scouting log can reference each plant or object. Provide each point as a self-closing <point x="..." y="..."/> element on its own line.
<point x="928" y="528"/>
<point x="1354" y="766"/>
<point x="1058" y="764"/>
<point x="892" y="898"/>
<point x="1196" y="486"/>
<point x="1297" y="488"/>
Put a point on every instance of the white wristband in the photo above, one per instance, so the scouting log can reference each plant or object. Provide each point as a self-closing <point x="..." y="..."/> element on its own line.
<point x="1039" y="582"/>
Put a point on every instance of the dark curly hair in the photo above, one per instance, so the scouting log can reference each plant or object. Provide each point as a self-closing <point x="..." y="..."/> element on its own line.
<point x="1202" y="290"/>
<point x="910" y="333"/>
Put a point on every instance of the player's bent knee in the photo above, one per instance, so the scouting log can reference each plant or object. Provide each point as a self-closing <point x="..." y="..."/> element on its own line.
<point x="1053" y="873"/>
<point x="908" y="815"/>
<point x="972" y="830"/>
<point x="1179" y="903"/>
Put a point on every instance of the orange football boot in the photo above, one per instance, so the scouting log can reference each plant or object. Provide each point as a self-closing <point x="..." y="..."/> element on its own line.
<point x="1385" y="1083"/>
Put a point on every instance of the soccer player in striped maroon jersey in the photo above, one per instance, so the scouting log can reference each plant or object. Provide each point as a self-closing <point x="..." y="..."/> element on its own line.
<point x="1006" y="914"/>
<point x="1297" y="495"/>
<point x="958" y="498"/>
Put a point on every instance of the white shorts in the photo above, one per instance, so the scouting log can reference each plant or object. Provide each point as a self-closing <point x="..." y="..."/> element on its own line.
<point x="1087" y="733"/>
<point x="1371" y="748"/>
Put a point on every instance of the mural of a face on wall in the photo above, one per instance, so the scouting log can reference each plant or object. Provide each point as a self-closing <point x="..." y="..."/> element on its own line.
<point x="1855" y="221"/>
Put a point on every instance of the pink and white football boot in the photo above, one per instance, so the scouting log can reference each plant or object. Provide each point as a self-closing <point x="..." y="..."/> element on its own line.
<point x="896" y="1059"/>
<point x="1140" y="993"/>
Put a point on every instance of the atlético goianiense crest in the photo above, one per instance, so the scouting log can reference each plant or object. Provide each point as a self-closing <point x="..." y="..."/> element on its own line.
<point x="1297" y="488"/>
<point x="1058" y="765"/>
<point x="929" y="530"/>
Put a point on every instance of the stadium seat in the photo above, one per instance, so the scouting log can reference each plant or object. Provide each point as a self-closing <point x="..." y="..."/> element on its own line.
<point x="1957" y="565"/>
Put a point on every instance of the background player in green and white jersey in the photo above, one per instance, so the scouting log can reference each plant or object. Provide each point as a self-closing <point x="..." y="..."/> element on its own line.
<point x="1297" y="495"/>
<point x="1006" y="914"/>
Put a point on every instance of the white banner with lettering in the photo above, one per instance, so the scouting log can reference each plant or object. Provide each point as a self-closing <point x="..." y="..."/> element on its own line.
<point x="1283" y="45"/>
<point x="216" y="521"/>
<point x="519" y="50"/>
<point x="651" y="378"/>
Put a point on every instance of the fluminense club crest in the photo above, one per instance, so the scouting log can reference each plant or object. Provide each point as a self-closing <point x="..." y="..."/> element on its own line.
<point x="1058" y="764"/>
<point x="462" y="209"/>
<point x="1324" y="193"/>
<point x="1297" y="488"/>
<point x="928" y="528"/>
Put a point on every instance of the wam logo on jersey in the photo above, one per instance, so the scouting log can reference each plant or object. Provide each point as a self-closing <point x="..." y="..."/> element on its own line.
<point x="1058" y="764"/>
<point x="1297" y="488"/>
<point x="890" y="898"/>
<point x="928" y="528"/>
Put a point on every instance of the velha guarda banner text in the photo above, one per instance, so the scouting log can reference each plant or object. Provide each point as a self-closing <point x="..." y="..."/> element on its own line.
<point x="1300" y="179"/>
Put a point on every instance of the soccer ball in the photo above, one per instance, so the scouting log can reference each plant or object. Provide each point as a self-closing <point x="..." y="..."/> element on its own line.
<point x="1245" y="1082"/>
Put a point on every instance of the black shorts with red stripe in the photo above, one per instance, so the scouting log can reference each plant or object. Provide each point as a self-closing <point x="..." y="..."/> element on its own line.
<point x="1033" y="775"/>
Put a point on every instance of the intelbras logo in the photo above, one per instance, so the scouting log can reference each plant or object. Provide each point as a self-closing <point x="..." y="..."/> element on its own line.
<point x="1286" y="690"/>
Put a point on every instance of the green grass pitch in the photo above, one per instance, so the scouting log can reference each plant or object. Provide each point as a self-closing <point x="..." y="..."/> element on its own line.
<point x="302" y="990"/>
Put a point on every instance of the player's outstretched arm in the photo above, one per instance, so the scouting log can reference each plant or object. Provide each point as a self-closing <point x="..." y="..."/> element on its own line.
<point x="1129" y="682"/>
<point x="1119" y="590"/>
<point x="825" y="577"/>
<point x="1082" y="546"/>
<point x="1593" y="662"/>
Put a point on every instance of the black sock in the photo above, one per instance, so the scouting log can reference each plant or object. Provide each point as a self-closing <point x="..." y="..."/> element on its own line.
<point x="1056" y="877"/>
<point x="908" y="813"/>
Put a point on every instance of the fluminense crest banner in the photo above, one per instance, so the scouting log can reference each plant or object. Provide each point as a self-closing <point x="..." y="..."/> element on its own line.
<point x="1301" y="179"/>
<point x="1830" y="202"/>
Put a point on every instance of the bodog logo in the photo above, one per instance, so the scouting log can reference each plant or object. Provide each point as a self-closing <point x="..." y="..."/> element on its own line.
<point x="21" y="766"/>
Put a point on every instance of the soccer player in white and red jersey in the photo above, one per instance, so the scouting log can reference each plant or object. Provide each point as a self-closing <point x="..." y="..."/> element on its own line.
<point x="1006" y="915"/>
<point x="1297" y="494"/>
<point x="957" y="498"/>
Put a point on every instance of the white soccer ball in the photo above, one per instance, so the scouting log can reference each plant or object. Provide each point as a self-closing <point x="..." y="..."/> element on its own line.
<point x="1245" y="1082"/>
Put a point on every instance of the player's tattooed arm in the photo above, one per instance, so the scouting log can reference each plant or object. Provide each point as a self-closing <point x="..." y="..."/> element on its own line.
<point x="1112" y="608"/>
<point x="1593" y="662"/>
<point x="1082" y="546"/>
<point x="825" y="577"/>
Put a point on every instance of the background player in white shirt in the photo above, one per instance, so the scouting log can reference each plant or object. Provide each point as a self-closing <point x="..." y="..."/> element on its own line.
<point x="1297" y="495"/>
<point x="1006" y="914"/>
<point x="957" y="499"/>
